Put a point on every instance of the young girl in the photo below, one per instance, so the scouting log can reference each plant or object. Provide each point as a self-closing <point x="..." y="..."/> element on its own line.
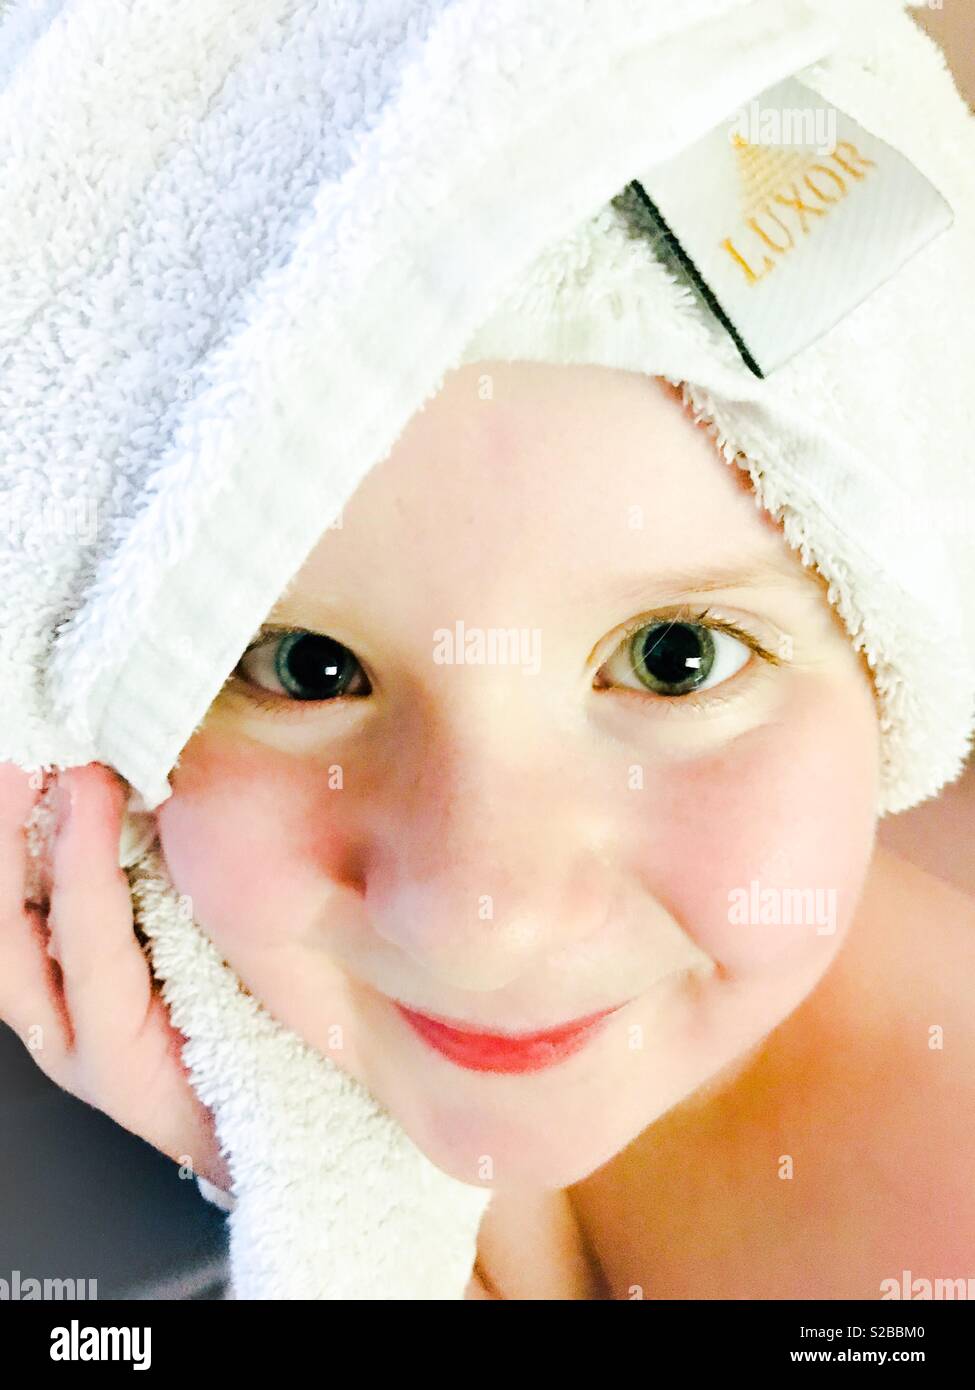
<point x="779" y="1105"/>
<point x="550" y="781"/>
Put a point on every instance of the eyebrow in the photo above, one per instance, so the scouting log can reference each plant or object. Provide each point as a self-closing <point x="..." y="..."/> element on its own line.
<point x="781" y="572"/>
<point x="778" y="572"/>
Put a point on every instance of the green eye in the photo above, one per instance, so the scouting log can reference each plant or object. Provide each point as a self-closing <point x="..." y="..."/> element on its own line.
<point x="303" y="665"/>
<point x="671" y="657"/>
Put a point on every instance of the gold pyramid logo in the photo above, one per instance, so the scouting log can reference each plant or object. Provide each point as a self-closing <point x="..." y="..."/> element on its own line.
<point x="763" y="169"/>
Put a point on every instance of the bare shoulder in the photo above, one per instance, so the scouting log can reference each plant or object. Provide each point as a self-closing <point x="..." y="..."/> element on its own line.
<point x="531" y="1247"/>
<point x="921" y="1094"/>
<point x="914" y="954"/>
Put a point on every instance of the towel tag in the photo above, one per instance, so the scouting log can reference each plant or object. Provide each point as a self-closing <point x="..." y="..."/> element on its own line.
<point x="784" y="218"/>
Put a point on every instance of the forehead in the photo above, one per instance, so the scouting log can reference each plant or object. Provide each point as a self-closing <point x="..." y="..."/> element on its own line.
<point x="582" y="477"/>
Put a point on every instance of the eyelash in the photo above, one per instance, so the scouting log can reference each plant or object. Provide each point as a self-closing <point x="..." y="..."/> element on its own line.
<point x="279" y="705"/>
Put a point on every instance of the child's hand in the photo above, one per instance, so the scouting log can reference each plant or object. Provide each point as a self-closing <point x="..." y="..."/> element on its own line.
<point x="75" y="985"/>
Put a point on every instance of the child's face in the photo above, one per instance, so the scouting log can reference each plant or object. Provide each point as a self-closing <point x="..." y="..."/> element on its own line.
<point x="524" y="839"/>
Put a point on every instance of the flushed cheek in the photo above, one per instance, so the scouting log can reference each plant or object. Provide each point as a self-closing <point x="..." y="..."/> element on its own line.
<point x="248" y="835"/>
<point x="762" y="851"/>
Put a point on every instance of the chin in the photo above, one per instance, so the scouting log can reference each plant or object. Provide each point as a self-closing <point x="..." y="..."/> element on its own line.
<point x="489" y="1147"/>
<point x="525" y="1167"/>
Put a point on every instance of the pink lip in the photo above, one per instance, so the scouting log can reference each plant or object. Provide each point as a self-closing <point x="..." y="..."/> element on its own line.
<point x="504" y="1052"/>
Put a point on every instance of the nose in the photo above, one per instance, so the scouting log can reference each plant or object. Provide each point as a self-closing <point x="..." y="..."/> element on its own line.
<point x="493" y="867"/>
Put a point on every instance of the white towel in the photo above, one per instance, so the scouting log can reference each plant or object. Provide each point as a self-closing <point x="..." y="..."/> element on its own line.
<point x="243" y="242"/>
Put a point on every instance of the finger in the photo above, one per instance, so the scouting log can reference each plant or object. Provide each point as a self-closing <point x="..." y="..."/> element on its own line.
<point x="125" y="1047"/>
<point x="185" y="1128"/>
<point x="106" y="977"/>
<point x="31" y="989"/>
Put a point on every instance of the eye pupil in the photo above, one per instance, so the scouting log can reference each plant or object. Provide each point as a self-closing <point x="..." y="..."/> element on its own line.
<point x="313" y="667"/>
<point x="673" y="658"/>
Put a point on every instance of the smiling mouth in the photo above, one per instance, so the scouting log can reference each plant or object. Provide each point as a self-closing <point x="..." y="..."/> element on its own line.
<point x="504" y="1052"/>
